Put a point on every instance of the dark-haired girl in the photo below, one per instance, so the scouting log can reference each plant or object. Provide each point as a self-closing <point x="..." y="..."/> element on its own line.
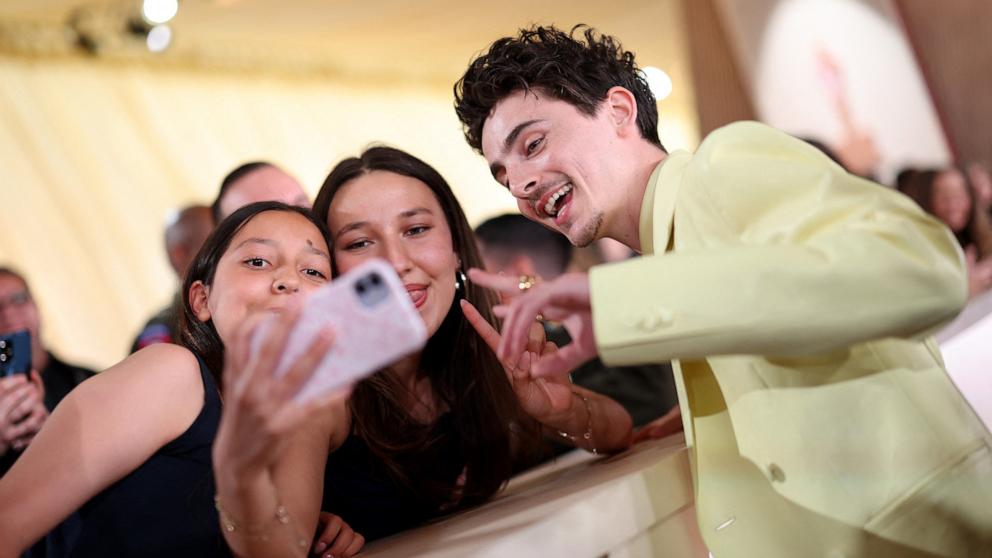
<point x="131" y="447"/>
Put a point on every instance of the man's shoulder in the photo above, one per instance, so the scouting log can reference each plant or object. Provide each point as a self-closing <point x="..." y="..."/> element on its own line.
<point x="754" y="155"/>
<point x="744" y="134"/>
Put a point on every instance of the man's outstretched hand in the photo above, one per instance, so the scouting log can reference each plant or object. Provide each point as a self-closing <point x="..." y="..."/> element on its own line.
<point x="565" y="299"/>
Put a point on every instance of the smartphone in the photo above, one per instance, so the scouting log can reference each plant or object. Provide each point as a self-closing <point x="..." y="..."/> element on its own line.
<point x="15" y="353"/>
<point x="374" y="322"/>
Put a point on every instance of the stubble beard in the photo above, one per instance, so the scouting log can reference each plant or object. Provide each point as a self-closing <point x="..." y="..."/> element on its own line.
<point x="589" y="233"/>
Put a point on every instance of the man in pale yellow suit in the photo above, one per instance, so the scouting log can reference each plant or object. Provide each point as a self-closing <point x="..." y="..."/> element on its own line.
<point x="795" y="299"/>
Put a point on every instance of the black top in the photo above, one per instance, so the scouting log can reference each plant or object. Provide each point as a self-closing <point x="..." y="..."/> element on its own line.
<point x="165" y="507"/>
<point x="359" y="488"/>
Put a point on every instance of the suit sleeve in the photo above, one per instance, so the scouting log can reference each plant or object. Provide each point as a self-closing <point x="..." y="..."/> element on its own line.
<point x="795" y="257"/>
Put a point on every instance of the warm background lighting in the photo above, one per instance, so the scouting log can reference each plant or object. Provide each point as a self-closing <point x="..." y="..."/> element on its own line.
<point x="159" y="11"/>
<point x="658" y="81"/>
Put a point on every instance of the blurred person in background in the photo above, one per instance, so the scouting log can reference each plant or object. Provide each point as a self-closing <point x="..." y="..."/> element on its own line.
<point x="964" y="207"/>
<point x="981" y="184"/>
<point x="254" y="182"/>
<point x="26" y="401"/>
<point x="518" y="248"/>
<point x="184" y="235"/>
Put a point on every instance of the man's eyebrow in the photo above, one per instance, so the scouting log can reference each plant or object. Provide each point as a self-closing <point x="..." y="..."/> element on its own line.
<point x="496" y="167"/>
<point x="515" y="132"/>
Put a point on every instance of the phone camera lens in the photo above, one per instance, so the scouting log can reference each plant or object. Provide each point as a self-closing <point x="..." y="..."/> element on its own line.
<point x="375" y="279"/>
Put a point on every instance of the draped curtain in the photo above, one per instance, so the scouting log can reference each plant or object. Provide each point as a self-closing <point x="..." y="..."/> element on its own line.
<point x="94" y="156"/>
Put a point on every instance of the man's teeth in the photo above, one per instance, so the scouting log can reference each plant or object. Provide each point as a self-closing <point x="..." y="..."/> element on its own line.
<point x="549" y="207"/>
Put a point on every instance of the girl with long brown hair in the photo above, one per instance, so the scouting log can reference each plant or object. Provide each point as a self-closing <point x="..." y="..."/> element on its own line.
<point x="444" y="428"/>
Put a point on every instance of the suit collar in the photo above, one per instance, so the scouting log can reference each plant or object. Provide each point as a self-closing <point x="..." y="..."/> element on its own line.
<point x="658" y="208"/>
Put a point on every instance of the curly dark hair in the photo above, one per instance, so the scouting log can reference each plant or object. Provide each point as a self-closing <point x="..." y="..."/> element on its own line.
<point x="558" y="64"/>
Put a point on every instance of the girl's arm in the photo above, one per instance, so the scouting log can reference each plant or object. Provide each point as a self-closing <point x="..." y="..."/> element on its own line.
<point x="593" y="422"/>
<point x="104" y="429"/>
<point x="271" y="449"/>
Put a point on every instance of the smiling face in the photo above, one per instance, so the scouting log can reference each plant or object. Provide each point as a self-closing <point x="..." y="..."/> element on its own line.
<point x="381" y="214"/>
<point x="270" y="266"/>
<point x="557" y="161"/>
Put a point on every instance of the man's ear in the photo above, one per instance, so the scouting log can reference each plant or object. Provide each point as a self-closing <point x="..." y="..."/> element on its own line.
<point x="621" y="107"/>
<point x="198" y="293"/>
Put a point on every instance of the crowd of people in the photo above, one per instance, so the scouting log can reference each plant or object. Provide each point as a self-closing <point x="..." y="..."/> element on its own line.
<point x="962" y="200"/>
<point x="776" y="313"/>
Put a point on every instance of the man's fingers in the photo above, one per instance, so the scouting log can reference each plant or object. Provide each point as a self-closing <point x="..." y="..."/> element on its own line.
<point x="558" y="363"/>
<point x="516" y="326"/>
<point x="505" y="284"/>
<point x="485" y="330"/>
<point x="521" y="313"/>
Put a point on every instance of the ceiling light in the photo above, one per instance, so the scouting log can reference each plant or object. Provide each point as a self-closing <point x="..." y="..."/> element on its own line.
<point x="658" y="81"/>
<point x="159" y="11"/>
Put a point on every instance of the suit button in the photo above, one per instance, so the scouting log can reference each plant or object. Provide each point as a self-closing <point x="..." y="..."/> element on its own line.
<point x="776" y="473"/>
<point x="655" y="318"/>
